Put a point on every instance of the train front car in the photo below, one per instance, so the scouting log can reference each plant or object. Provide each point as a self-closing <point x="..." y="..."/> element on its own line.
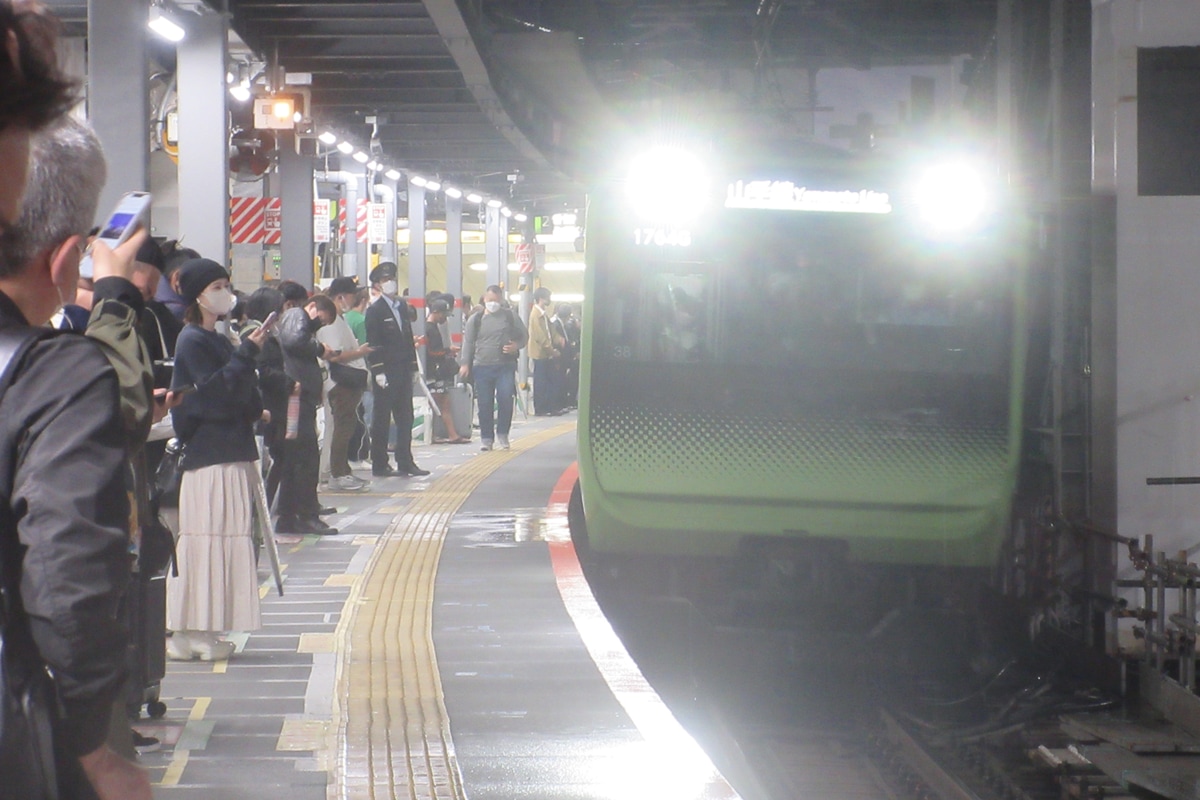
<point x="814" y="353"/>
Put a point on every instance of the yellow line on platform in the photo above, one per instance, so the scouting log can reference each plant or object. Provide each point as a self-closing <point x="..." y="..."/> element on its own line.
<point x="390" y="727"/>
<point x="199" y="708"/>
<point x="175" y="769"/>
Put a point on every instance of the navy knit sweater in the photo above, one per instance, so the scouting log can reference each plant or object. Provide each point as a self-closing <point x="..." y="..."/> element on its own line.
<point x="215" y="422"/>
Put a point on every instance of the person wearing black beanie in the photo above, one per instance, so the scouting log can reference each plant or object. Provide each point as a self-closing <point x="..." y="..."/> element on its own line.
<point x="220" y="494"/>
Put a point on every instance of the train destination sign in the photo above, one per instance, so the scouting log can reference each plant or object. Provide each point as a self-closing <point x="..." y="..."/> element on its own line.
<point x="787" y="196"/>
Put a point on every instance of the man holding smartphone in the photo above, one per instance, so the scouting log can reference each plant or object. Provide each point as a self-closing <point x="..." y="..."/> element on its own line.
<point x="68" y="439"/>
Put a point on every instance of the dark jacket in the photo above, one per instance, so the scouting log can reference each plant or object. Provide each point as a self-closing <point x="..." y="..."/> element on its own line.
<point x="395" y="355"/>
<point x="276" y="388"/>
<point x="64" y="486"/>
<point x="160" y="328"/>
<point x="300" y="352"/>
<point x="216" y="421"/>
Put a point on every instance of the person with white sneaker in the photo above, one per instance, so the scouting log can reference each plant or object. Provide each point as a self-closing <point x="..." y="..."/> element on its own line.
<point x="217" y="586"/>
<point x="345" y="385"/>
<point x="492" y="339"/>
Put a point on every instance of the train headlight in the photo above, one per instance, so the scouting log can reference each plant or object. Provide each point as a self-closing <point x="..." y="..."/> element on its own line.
<point x="952" y="198"/>
<point x="667" y="186"/>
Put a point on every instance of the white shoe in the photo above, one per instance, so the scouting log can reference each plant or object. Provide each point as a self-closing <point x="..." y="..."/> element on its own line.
<point x="502" y="441"/>
<point x="179" y="648"/>
<point x="349" y="483"/>
<point x="485" y="444"/>
<point x="208" y="647"/>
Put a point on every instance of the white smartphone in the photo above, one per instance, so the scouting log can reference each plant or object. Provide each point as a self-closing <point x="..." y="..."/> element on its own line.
<point x="132" y="212"/>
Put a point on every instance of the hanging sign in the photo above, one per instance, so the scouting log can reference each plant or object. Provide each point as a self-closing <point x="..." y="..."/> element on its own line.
<point x="320" y="221"/>
<point x="377" y="218"/>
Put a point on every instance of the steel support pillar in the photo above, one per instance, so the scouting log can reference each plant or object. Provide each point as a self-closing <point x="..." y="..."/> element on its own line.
<point x="118" y="95"/>
<point x="496" y="248"/>
<point x="454" y="264"/>
<point x="350" y="264"/>
<point x="296" y="192"/>
<point x="416" y="255"/>
<point x="203" y="137"/>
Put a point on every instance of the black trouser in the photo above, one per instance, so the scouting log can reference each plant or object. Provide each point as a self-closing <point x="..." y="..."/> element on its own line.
<point x="301" y="469"/>
<point x="394" y="402"/>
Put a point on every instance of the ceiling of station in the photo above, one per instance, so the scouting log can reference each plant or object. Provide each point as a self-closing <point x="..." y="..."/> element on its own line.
<point x="402" y="62"/>
<point x="479" y="91"/>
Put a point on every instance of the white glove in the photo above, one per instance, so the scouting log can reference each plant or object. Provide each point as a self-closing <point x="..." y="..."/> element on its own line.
<point x="381" y="381"/>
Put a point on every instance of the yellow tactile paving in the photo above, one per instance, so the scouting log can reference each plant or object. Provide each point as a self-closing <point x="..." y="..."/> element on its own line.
<point x="303" y="734"/>
<point x="316" y="643"/>
<point x="343" y="579"/>
<point x="390" y="728"/>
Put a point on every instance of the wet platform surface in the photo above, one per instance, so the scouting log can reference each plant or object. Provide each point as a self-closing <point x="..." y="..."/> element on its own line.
<point x="427" y="651"/>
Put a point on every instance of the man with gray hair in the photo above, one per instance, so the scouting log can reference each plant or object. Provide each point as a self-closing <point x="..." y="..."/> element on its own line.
<point x="65" y="432"/>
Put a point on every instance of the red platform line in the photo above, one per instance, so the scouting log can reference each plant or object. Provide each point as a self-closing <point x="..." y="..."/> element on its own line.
<point x="680" y="765"/>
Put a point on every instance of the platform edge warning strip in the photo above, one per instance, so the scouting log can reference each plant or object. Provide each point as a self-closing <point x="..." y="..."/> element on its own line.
<point x="679" y="759"/>
<point x="390" y="727"/>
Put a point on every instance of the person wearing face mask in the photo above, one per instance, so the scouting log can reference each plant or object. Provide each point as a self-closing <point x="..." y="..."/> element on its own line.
<point x="300" y="468"/>
<point x="217" y="587"/>
<point x="492" y="339"/>
<point x="392" y="361"/>
<point x="544" y="353"/>
<point x="348" y="379"/>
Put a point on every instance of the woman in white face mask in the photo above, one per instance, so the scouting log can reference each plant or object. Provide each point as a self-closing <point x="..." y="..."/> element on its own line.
<point x="219" y="496"/>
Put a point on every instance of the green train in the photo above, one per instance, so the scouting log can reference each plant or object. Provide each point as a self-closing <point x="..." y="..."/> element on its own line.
<point x="800" y="350"/>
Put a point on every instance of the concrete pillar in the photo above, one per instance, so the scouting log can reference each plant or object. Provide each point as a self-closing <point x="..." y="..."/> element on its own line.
<point x="416" y="254"/>
<point x="119" y="95"/>
<point x="296" y="191"/>
<point x="203" y="137"/>
<point x="454" y="264"/>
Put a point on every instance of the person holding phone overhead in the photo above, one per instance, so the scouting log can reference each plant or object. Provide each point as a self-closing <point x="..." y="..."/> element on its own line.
<point x="71" y="460"/>
<point x="217" y="587"/>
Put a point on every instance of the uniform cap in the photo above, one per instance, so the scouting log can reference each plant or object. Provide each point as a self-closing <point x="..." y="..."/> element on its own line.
<point x="383" y="272"/>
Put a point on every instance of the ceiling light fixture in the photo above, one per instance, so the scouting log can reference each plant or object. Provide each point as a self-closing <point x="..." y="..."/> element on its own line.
<point x="452" y="192"/>
<point x="328" y="137"/>
<point x="165" y="22"/>
<point x="432" y="185"/>
<point x="475" y="197"/>
<point x="345" y="148"/>
<point x="361" y="157"/>
<point x="393" y="174"/>
<point x="494" y="203"/>
<point x="417" y="180"/>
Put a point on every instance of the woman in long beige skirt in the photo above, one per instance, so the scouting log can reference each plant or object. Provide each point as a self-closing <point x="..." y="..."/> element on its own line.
<point x="217" y="588"/>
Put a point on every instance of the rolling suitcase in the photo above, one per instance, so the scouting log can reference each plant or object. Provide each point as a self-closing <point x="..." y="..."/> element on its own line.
<point x="462" y="407"/>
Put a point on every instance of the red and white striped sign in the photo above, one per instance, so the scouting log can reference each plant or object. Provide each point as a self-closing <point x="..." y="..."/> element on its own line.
<point x="361" y="220"/>
<point x="255" y="220"/>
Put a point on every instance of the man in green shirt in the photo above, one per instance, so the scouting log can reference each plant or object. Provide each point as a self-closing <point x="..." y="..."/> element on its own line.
<point x="355" y="317"/>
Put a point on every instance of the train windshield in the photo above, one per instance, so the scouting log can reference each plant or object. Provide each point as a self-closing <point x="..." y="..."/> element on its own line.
<point x="834" y="297"/>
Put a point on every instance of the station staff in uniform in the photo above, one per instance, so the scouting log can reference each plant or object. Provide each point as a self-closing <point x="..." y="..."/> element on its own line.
<point x="392" y="361"/>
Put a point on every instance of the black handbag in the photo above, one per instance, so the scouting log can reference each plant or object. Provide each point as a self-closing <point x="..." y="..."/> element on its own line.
<point x="165" y="491"/>
<point x="347" y="376"/>
<point x="27" y="698"/>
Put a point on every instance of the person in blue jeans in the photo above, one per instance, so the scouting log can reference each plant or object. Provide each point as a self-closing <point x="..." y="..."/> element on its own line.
<point x="492" y="339"/>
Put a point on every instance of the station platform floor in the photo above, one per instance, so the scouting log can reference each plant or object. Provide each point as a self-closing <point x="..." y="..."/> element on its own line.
<point x="443" y="645"/>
